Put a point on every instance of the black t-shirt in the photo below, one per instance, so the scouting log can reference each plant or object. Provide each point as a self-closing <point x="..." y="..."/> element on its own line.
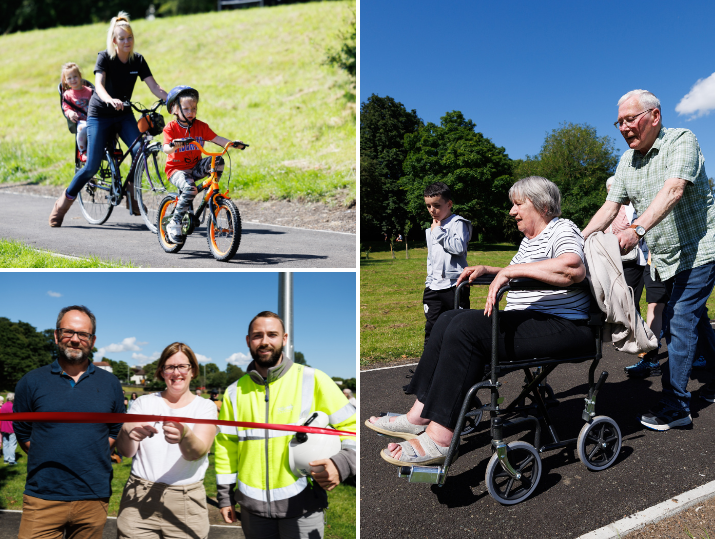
<point x="119" y="80"/>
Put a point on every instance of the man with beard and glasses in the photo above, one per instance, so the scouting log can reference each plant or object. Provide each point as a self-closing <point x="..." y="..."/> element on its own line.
<point x="69" y="471"/>
<point x="275" y="502"/>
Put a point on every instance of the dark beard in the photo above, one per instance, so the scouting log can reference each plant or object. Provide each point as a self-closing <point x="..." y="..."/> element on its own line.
<point x="79" y="355"/>
<point x="272" y="361"/>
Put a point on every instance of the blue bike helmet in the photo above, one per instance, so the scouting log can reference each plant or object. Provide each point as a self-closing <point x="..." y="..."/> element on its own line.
<point x="180" y="91"/>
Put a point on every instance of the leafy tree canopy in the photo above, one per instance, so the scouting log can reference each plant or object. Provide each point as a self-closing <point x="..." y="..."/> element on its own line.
<point x="299" y="358"/>
<point x="22" y="349"/>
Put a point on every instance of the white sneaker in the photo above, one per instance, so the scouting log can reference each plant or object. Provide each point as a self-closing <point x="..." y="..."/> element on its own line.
<point x="173" y="232"/>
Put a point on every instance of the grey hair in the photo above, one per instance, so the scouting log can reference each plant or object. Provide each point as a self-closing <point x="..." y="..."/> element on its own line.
<point x="10" y="396"/>
<point x="645" y="98"/>
<point x="544" y="194"/>
<point x="609" y="182"/>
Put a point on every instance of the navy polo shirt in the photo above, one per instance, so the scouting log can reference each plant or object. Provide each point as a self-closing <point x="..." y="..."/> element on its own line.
<point x="68" y="461"/>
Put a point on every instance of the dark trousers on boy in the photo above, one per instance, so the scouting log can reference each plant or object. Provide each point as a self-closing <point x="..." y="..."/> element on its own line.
<point x="436" y="302"/>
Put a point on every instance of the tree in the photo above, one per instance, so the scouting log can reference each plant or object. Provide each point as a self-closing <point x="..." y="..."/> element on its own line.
<point x="233" y="373"/>
<point x="299" y="358"/>
<point x="120" y="369"/>
<point x="350" y="383"/>
<point x="579" y="162"/>
<point x="477" y="171"/>
<point x="384" y="123"/>
<point x="22" y="349"/>
<point x="345" y="57"/>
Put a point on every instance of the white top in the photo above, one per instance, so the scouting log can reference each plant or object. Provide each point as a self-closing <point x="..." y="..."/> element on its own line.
<point x="560" y="236"/>
<point x="162" y="462"/>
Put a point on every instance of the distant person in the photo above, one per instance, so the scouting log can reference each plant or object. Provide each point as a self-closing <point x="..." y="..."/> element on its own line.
<point x="447" y="240"/>
<point x="349" y="395"/>
<point x="399" y="237"/>
<point x="165" y="495"/>
<point x="213" y="396"/>
<point x="132" y="400"/>
<point x="198" y="392"/>
<point x="69" y="470"/>
<point x="663" y="175"/>
<point x="9" y="440"/>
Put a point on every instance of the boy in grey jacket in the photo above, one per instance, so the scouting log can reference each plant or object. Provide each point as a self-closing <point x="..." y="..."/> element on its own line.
<point x="447" y="241"/>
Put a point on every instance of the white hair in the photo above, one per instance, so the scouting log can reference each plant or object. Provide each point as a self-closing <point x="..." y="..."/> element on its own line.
<point x="544" y="194"/>
<point x="645" y="98"/>
<point x="609" y="182"/>
<point x="10" y="396"/>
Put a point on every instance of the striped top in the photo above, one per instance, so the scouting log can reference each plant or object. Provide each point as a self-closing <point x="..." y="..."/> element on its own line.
<point x="559" y="237"/>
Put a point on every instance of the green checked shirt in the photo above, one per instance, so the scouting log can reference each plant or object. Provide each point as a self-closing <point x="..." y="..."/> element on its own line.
<point x="685" y="238"/>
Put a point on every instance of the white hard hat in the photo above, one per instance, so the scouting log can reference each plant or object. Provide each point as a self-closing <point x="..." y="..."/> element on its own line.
<point x="305" y="448"/>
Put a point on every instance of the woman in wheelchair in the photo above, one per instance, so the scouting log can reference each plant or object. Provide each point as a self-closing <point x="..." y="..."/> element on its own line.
<point x="534" y="324"/>
<point x="116" y="73"/>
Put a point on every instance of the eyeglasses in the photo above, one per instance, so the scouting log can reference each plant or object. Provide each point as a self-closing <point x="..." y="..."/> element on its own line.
<point x="629" y="120"/>
<point x="67" y="334"/>
<point x="183" y="369"/>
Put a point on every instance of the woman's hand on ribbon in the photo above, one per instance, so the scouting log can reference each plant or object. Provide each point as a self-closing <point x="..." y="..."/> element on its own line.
<point x="174" y="432"/>
<point x="139" y="431"/>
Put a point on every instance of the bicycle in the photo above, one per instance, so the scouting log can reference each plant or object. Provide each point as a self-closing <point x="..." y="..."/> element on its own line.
<point x="146" y="174"/>
<point x="224" y="224"/>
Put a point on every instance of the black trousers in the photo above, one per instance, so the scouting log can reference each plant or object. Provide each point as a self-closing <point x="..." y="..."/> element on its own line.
<point x="436" y="302"/>
<point x="460" y="348"/>
<point x="633" y="274"/>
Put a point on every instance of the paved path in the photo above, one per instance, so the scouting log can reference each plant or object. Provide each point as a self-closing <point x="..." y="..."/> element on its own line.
<point x="124" y="237"/>
<point x="10" y="524"/>
<point x="570" y="500"/>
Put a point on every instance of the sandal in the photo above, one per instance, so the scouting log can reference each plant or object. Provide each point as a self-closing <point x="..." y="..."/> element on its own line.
<point x="434" y="454"/>
<point x="400" y="427"/>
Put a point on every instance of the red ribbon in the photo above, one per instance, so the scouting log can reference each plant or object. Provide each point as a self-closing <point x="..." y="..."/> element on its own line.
<point x="85" y="417"/>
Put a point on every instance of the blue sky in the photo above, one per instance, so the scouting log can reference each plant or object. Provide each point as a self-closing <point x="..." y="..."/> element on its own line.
<point x="140" y="313"/>
<point x="518" y="69"/>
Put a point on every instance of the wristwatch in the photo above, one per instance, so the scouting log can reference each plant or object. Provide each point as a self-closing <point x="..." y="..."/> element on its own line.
<point x="640" y="231"/>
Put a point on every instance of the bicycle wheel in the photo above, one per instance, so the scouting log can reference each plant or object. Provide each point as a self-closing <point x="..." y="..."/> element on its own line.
<point x="150" y="185"/>
<point x="224" y="239"/>
<point x="163" y="218"/>
<point x="94" y="197"/>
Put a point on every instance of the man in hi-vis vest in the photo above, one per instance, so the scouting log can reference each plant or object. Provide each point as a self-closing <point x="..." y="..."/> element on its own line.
<point x="252" y="465"/>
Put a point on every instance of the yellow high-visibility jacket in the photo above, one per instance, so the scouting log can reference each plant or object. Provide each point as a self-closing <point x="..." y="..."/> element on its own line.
<point x="255" y="461"/>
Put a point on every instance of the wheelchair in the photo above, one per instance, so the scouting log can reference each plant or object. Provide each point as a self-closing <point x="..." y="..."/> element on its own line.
<point x="514" y="469"/>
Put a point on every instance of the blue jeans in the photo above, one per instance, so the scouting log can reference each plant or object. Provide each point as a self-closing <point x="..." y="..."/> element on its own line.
<point x="687" y="328"/>
<point x="9" y="444"/>
<point x="98" y="129"/>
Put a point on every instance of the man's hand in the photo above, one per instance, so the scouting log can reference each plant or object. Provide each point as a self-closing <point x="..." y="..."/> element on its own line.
<point x="329" y="477"/>
<point x="229" y="514"/>
<point x="139" y="431"/>
<point x="627" y="239"/>
<point x="174" y="432"/>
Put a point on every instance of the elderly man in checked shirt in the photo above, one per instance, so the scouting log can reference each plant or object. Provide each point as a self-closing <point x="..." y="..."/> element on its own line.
<point x="663" y="175"/>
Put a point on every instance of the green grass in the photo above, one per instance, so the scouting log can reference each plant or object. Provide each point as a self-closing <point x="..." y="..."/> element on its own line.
<point x="15" y="254"/>
<point x="341" y="513"/>
<point x="261" y="77"/>
<point x="392" y="319"/>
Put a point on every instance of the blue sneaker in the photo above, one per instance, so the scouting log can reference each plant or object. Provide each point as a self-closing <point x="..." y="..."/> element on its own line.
<point x="665" y="418"/>
<point x="699" y="363"/>
<point x="707" y="393"/>
<point x="647" y="366"/>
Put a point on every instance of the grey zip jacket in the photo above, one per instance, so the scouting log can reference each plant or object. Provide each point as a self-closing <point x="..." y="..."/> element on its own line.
<point x="447" y="251"/>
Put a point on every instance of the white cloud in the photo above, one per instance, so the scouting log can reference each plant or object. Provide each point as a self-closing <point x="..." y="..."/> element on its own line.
<point x="700" y="100"/>
<point x="143" y="359"/>
<point x="54" y="294"/>
<point x="129" y="344"/>
<point x="203" y="359"/>
<point x="239" y="359"/>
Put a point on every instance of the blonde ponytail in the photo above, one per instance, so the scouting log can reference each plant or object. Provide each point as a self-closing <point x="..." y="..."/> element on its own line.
<point x="121" y="21"/>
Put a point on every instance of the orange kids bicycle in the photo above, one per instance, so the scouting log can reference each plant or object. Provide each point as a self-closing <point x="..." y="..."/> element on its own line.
<point x="223" y="222"/>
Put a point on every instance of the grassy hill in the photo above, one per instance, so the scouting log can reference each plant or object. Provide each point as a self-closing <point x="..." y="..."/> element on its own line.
<point x="261" y="77"/>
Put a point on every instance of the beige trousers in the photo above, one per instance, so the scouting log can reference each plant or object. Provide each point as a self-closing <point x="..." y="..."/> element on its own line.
<point x="50" y="519"/>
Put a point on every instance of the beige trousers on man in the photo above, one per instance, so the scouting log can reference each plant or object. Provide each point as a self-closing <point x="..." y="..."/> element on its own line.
<point x="49" y="519"/>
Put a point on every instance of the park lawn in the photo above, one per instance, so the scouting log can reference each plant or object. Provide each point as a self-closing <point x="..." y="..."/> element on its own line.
<point x="341" y="514"/>
<point x="15" y="254"/>
<point x="261" y="77"/>
<point x="392" y="318"/>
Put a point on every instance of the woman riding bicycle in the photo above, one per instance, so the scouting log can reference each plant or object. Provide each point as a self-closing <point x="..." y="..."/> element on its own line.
<point x="116" y="73"/>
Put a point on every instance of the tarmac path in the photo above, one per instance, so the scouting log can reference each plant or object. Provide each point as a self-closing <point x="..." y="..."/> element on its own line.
<point x="570" y="500"/>
<point x="124" y="237"/>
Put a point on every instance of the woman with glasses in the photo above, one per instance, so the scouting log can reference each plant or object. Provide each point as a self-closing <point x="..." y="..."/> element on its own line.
<point x="165" y="493"/>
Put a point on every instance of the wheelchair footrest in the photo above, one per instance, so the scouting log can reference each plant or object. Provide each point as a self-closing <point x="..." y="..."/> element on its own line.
<point x="434" y="475"/>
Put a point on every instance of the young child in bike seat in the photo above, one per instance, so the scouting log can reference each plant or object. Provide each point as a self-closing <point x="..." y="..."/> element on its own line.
<point x="185" y="164"/>
<point x="75" y="100"/>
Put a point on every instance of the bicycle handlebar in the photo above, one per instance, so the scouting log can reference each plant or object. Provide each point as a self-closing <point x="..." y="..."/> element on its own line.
<point x="143" y="111"/>
<point x="189" y="140"/>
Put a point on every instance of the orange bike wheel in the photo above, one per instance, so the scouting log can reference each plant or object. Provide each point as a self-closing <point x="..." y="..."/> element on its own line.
<point x="163" y="218"/>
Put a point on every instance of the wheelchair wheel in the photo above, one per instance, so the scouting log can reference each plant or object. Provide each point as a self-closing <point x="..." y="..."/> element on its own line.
<point x="150" y="185"/>
<point x="599" y="443"/>
<point x="471" y="422"/>
<point x="163" y="218"/>
<point x="525" y="459"/>
<point x="225" y="238"/>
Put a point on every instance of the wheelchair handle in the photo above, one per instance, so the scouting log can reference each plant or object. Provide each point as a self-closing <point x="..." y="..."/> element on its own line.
<point x="483" y="280"/>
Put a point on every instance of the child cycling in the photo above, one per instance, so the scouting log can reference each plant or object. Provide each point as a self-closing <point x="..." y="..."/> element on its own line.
<point x="75" y="100"/>
<point x="185" y="164"/>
